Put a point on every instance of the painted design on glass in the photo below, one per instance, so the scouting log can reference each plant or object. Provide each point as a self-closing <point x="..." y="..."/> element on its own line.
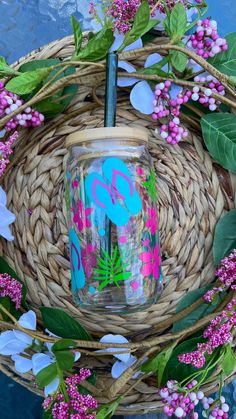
<point x="152" y="222"/>
<point x="67" y="192"/>
<point x="81" y="216"/>
<point x="111" y="270"/>
<point x="150" y="185"/>
<point x="77" y="271"/>
<point x="89" y="259"/>
<point x="120" y="185"/>
<point x="151" y="261"/>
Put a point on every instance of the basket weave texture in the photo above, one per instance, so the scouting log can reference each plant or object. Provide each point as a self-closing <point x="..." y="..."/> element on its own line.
<point x="193" y="194"/>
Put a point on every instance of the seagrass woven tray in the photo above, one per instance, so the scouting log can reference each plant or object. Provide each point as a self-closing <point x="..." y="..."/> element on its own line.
<point x="193" y="194"/>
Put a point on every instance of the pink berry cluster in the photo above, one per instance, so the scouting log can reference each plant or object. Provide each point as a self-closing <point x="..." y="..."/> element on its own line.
<point x="206" y="41"/>
<point x="10" y="102"/>
<point x="10" y="287"/>
<point x="171" y="4"/>
<point x="123" y="13"/>
<point x="165" y="107"/>
<point x="181" y="402"/>
<point x="74" y="405"/>
<point x="219" y="332"/>
<point x="5" y="151"/>
<point x="205" y="97"/>
<point x="226" y="275"/>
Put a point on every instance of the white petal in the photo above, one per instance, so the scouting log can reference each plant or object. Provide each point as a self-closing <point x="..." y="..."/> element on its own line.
<point x="10" y="345"/>
<point x="51" y="334"/>
<point x="120" y="367"/>
<point x="135" y="45"/>
<point x="141" y="98"/>
<point x="116" y="339"/>
<point x="40" y="361"/>
<point x="152" y="59"/>
<point x="23" y="337"/>
<point x="6" y="233"/>
<point x="77" y="356"/>
<point x="117" y="42"/>
<point x="28" y="320"/>
<point x="3" y="197"/>
<point x="52" y="387"/>
<point x="175" y="91"/>
<point x="49" y="346"/>
<point x="190" y="13"/>
<point x="159" y="16"/>
<point x="6" y="216"/>
<point x="2" y="133"/>
<point x="125" y="81"/>
<point x="22" y="364"/>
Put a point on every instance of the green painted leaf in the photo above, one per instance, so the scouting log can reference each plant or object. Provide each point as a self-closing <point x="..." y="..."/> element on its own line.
<point x="78" y="35"/>
<point x="229" y="362"/>
<point x="178" y="22"/>
<point x="226" y="61"/>
<point x="97" y="48"/>
<point x="47" y="375"/>
<point x="108" y="410"/>
<point x="158" y="363"/>
<point x="28" y="81"/>
<point x="140" y="26"/>
<point x="150" y="185"/>
<point x="179" y="61"/>
<point x="123" y="276"/>
<point x="63" y="325"/>
<point x="219" y="133"/>
<point x="225" y="236"/>
<point x="201" y="311"/>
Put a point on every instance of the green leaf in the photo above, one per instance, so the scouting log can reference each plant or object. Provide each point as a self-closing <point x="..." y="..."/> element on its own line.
<point x="97" y="48"/>
<point x="63" y="325"/>
<point x="225" y="236"/>
<point x="47" y="414"/>
<point x="108" y="410"/>
<point x="38" y="64"/>
<point x="219" y="133"/>
<point x="156" y="69"/>
<point x="3" y="61"/>
<point x="174" y="369"/>
<point x="5" y="69"/>
<point x="28" y="81"/>
<point x="78" y="35"/>
<point x="226" y="61"/>
<point x="179" y="60"/>
<point x="229" y="361"/>
<point x="140" y="26"/>
<point x="47" y="375"/>
<point x="6" y="303"/>
<point x="65" y="360"/>
<point x="158" y="363"/>
<point x="62" y="344"/>
<point x="178" y="22"/>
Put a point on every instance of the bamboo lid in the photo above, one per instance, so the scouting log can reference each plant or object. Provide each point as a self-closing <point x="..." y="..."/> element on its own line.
<point x="119" y="133"/>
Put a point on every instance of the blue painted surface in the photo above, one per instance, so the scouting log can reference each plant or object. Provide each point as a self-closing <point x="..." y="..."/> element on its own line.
<point x="24" y="26"/>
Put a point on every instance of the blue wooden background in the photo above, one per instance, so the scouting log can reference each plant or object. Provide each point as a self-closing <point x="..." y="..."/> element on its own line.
<point x="24" y="26"/>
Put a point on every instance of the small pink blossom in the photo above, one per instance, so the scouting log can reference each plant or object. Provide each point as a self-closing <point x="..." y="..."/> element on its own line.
<point x="81" y="216"/>
<point x="89" y="259"/>
<point x="145" y="242"/>
<point x="152" y="261"/>
<point x="10" y="287"/>
<point x="75" y="183"/>
<point x="152" y="222"/>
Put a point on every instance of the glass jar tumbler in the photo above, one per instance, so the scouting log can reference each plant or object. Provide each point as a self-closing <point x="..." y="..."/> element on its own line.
<point x="113" y="223"/>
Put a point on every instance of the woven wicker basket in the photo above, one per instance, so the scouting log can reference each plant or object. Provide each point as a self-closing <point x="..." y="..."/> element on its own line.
<point x="193" y="194"/>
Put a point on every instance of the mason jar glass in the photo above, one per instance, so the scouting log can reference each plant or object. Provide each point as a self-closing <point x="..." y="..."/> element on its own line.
<point x="113" y="222"/>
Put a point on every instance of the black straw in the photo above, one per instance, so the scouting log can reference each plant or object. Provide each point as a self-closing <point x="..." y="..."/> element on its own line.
<point x="111" y="90"/>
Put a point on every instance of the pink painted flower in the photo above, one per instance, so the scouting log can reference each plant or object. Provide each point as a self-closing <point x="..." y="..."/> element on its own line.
<point x="152" y="261"/>
<point x="145" y="242"/>
<point x="75" y="183"/>
<point x="89" y="259"/>
<point x="81" y="216"/>
<point x="152" y="222"/>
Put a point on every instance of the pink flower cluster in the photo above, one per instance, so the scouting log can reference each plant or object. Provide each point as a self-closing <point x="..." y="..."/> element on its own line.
<point x="10" y="287"/>
<point x="10" y="102"/>
<point x="165" y="107"/>
<point x="205" y="97"/>
<point x="226" y="275"/>
<point x="206" y="40"/>
<point x="181" y="402"/>
<point x="219" y="332"/>
<point x="171" y="4"/>
<point x="123" y="13"/>
<point x="5" y="151"/>
<point x="78" y="406"/>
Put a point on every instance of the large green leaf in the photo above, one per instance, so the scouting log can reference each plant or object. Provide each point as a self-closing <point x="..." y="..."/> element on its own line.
<point x="226" y="61"/>
<point x="219" y="133"/>
<point x="229" y="361"/>
<point x="63" y="325"/>
<point x="97" y="48"/>
<point x="225" y="236"/>
<point x="108" y="410"/>
<point x="28" y="81"/>
<point x="140" y="26"/>
<point x="37" y="64"/>
<point x="47" y="375"/>
<point x="179" y="61"/>
<point x="78" y="35"/>
<point x="5" y="69"/>
<point x="158" y="363"/>
<point x="178" y="22"/>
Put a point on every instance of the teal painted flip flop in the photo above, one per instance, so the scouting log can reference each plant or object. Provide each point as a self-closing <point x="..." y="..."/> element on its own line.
<point x="120" y="178"/>
<point x="104" y="197"/>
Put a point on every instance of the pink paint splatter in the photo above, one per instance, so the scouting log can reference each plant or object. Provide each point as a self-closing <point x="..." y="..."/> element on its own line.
<point x="75" y="183"/>
<point x="123" y="239"/>
<point x="139" y="171"/>
<point x="135" y="285"/>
